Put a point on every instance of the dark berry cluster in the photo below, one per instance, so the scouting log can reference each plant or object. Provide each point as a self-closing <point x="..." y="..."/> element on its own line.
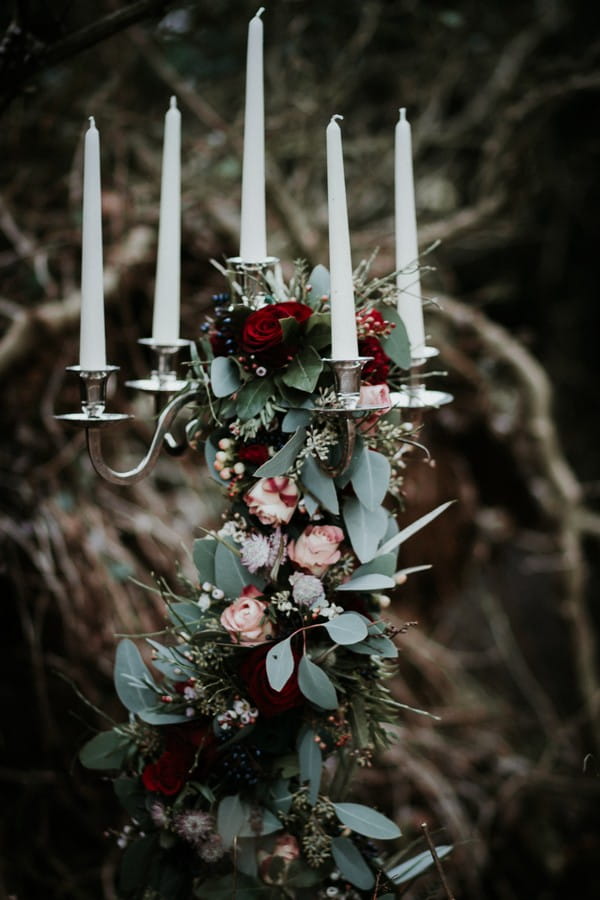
<point x="241" y="766"/>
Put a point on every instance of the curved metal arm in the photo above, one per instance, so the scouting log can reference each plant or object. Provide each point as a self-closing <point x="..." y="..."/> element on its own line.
<point x="165" y="420"/>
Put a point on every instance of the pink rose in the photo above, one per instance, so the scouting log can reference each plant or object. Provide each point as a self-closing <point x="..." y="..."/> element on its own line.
<point x="245" y="619"/>
<point x="273" y="500"/>
<point x="286" y="848"/>
<point x="374" y="395"/>
<point x="317" y="548"/>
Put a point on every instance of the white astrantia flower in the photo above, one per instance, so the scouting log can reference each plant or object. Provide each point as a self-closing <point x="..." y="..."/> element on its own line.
<point x="211" y="849"/>
<point x="194" y="825"/>
<point x="256" y="552"/>
<point x="306" y="589"/>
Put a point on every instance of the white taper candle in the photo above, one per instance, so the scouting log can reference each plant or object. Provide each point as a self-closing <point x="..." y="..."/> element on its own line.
<point x="253" y="229"/>
<point x="344" y="342"/>
<point x="165" y="322"/>
<point x="92" y="346"/>
<point x="410" y="308"/>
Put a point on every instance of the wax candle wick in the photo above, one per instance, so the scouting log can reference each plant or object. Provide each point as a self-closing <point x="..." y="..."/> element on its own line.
<point x="260" y="12"/>
<point x="403" y="113"/>
<point x="337" y="116"/>
<point x="173" y="102"/>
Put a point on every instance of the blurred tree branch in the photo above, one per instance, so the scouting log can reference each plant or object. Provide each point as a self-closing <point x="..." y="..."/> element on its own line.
<point x="23" y="55"/>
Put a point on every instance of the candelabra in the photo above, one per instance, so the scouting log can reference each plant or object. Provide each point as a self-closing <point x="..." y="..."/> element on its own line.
<point x="171" y="394"/>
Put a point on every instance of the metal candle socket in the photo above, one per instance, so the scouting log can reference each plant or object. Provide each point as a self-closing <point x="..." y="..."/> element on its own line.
<point x="251" y="276"/>
<point x="415" y="395"/>
<point x="347" y="374"/>
<point x="94" y="418"/>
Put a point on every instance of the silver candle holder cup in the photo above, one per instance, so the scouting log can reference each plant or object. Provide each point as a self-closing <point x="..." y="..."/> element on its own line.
<point x="415" y="395"/>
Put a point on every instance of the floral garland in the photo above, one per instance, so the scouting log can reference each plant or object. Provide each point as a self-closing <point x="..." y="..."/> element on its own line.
<point x="269" y="687"/>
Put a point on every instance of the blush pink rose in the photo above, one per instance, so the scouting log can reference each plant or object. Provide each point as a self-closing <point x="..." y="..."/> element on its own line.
<point x="273" y="500"/>
<point x="317" y="548"/>
<point x="246" y="620"/>
<point x="374" y="395"/>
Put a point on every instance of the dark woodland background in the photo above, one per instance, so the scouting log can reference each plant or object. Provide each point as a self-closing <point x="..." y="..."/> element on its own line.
<point x="504" y="100"/>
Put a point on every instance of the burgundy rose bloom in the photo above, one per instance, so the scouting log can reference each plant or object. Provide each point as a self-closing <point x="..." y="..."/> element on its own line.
<point x="262" y="334"/>
<point x="255" y="454"/>
<point x="169" y="773"/>
<point x="377" y="369"/>
<point x="186" y="746"/>
<point x="268" y="701"/>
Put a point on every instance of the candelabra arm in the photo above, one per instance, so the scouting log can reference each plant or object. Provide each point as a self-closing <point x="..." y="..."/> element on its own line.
<point x="145" y="466"/>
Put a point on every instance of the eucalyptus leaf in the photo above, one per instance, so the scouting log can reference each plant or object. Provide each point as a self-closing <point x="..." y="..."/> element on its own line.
<point x="253" y="815"/>
<point x="373" y="582"/>
<point x="294" y="419"/>
<point x="252" y="397"/>
<point x="280" y="664"/>
<point x="186" y="614"/>
<point x="351" y="863"/>
<point x="224" y="376"/>
<point x="304" y="370"/>
<point x="377" y="645"/>
<point x="411" y="529"/>
<point x="231" y="576"/>
<point x="311" y="761"/>
<point x="161" y="716"/>
<point x="366" y="821"/>
<point x="134" y="684"/>
<point x="169" y="661"/>
<point x="136" y="861"/>
<point x="282" y="795"/>
<point x="285" y="458"/>
<point x="396" y="344"/>
<point x="370" y="478"/>
<point x="311" y="505"/>
<point x="365" y="527"/>
<point x="414" y="866"/>
<point x="319" y="485"/>
<point x="318" y="329"/>
<point x="210" y="456"/>
<point x="346" y="476"/>
<point x="106" y="750"/>
<point x="349" y="628"/>
<point x="316" y="685"/>
<point x="320" y="282"/>
<point x="231" y="817"/>
<point x="204" y="558"/>
<point x="380" y="565"/>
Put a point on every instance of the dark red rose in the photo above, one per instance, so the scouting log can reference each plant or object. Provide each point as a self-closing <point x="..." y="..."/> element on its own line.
<point x="168" y="774"/>
<point x="377" y="369"/>
<point x="189" y="749"/>
<point x="255" y="454"/>
<point x="262" y="334"/>
<point x="268" y="701"/>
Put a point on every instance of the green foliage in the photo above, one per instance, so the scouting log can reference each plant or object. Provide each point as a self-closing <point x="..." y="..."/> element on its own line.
<point x="284" y="459"/>
<point x="304" y="370"/>
<point x="316" y="685"/>
<point x="106" y="750"/>
<point x="280" y="664"/>
<point x="351" y="863"/>
<point x="224" y="376"/>
<point x="366" y="821"/>
<point x="311" y="761"/>
<point x="416" y="865"/>
<point x="365" y="527"/>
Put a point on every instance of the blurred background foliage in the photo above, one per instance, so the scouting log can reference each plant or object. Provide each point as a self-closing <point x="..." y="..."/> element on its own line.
<point x="503" y="99"/>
